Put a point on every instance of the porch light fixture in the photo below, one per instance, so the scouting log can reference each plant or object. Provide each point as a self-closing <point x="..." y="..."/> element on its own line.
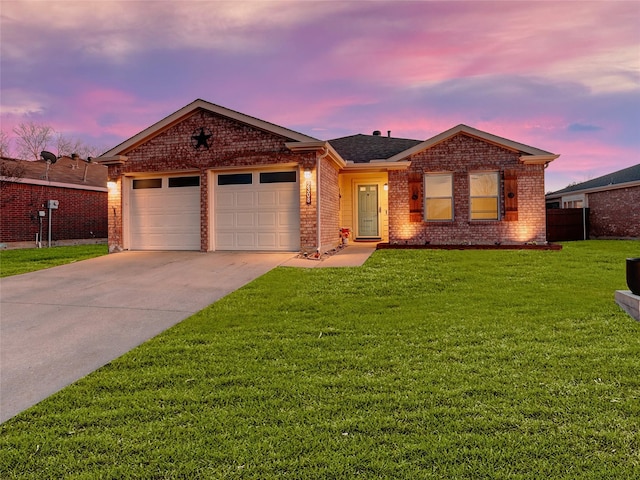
<point x="111" y="185"/>
<point x="386" y="187"/>
<point x="307" y="174"/>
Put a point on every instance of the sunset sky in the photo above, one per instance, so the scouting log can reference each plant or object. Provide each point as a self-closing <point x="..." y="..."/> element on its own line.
<point x="563" y="76"/>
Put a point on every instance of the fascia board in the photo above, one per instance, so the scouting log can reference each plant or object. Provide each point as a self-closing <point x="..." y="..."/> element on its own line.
<point x="46" y="183"/>
<point x="384" y="166"/>
<point x="537" y="159"/>
<point x="187" y="110"/>
<point x="114" y="160"/>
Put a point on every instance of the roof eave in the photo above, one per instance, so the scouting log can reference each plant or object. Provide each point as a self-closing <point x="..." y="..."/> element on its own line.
<point x="113" y="160"/>
<point x="538" y="159"/>
<point x="377" y="166"/>
<point x="187" y="110"/>
<point x="317" y="146"/>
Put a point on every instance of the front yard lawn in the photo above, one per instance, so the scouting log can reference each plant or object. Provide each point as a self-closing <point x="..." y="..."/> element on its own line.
<point x="15" y="262"/>
<point x="421" y="364"/>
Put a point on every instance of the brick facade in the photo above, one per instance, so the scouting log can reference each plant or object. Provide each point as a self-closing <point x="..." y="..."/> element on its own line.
<point x="462" y="155"/>
<point x="329" y="205"/>
<point x="81" y="212"/>
<point x="615" y="213"/>
<point x="232" y="145"/>
<point x="240" y="142"/>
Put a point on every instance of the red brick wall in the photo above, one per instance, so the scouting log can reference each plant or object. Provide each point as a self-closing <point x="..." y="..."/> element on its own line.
<point x="615" y="213"/>
<point x="463" y="155"/>
<point x="329" y="205"/>
<point x="232" y="144"/>
<point x="82" y="214"/>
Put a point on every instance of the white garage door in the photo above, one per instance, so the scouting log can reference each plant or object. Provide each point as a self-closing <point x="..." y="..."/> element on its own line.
<point x="165" y="213"/>
<point x="257" y="211"/>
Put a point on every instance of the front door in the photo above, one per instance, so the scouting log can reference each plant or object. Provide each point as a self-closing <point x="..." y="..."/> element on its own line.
<point x="368" y="211"/>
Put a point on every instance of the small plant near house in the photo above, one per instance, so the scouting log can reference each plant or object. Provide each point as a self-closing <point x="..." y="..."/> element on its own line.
<point x="420" y="364"/>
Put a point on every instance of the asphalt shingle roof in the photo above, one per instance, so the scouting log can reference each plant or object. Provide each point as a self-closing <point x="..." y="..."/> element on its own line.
<point x="626" y="175"/>
<point x="364" y="148"/>
<point x="63" y="171"/>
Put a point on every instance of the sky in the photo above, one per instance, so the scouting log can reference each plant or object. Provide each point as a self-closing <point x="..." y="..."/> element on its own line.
<point x="562" y="76"/>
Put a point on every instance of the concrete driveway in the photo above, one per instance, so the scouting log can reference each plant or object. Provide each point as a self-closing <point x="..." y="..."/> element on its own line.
<point x="60" y="324"/>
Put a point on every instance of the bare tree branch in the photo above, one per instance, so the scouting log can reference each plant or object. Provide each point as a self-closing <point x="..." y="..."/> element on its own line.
<point x="5" y="141"/>
<point x="31" y="139"/>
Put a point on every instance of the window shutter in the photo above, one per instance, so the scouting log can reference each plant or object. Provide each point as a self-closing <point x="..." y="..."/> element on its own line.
<point x="415" y="197"/>
<point x="510" y="196"/>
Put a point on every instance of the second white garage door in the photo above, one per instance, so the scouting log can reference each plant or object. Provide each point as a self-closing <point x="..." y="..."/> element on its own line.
<point x="257" y="211"/>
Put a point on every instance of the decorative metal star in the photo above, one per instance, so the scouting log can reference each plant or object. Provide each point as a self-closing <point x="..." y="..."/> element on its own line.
<point x="201" y="139"/>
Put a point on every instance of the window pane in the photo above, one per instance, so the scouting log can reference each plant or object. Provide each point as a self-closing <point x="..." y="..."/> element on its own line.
<point x="484" y="208"/>
<point x="438" y="185"/>
<point x="184" y="182"/>
<point x="235" y="179"/>
<point x="439" y="209"/>
<point x="484" y="184"/>
<point x="278" y="177"/>
<point x="147" y="183"/>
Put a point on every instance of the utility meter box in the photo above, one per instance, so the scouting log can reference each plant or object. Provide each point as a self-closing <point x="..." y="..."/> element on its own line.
<point x="52" y="204"/>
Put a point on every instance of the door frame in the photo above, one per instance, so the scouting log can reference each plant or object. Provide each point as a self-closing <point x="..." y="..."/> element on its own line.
<point x="356" y="204"/>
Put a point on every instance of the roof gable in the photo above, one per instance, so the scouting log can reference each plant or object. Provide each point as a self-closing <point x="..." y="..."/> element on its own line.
<point x="194" y="106"/>
<point x="524" y="150"/>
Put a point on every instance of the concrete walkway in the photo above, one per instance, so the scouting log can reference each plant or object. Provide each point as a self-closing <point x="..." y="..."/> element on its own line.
<point x="353" y="255"/>
<point x="60" y="324"/>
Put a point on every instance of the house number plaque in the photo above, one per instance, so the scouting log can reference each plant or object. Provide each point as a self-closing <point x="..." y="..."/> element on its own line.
<point x="308" y="192"/>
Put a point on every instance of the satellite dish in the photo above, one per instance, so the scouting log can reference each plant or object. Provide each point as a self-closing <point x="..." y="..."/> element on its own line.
<point x="49" y="157"/>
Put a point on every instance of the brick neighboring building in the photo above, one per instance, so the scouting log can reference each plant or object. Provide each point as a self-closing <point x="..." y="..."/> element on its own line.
<point x="209" y="178"/>
<point x="26" y="187"/>
<point x="613" y="201"/>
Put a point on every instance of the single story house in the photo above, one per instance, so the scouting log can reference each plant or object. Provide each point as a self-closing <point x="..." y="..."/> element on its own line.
<point x="613" y="201"/>
<point x="209" y="178"/>
<point x="79" y="187"/>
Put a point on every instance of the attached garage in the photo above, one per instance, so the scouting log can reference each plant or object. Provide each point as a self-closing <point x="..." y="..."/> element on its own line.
<point x="257" y="210"/>
<point x="164" y="213"/>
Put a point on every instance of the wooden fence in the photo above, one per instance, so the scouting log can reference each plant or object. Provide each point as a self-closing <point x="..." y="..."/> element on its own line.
<point x="565" y="224"/>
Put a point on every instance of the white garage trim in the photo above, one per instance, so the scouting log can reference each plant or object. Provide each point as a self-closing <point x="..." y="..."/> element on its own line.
<point x="164" y="212"/>
<point x="256" y="210"/>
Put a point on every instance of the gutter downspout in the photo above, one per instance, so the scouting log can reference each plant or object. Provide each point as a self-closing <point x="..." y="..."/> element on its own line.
<point x="318" y="230"/>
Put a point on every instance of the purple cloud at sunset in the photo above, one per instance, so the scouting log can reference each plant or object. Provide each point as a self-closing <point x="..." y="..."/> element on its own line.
<point x="561" y="76"/>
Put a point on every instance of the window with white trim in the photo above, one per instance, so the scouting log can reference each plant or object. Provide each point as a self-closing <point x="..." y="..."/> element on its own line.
<point x="483" y="196"/>
<point x="438" y="197"/>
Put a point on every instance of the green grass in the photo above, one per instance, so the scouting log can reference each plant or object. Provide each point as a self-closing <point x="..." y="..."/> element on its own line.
<point x="15" y="262"/>
<point x="421" y="364"/>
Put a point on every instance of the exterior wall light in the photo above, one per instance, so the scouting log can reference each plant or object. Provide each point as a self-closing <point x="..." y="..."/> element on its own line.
<point x="386" y="187"/>
<point x="111" y="185"/>
<point x="307" y="174"/>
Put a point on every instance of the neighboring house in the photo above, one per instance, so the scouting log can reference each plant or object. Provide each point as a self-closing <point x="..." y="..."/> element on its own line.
<point x="613" y="201"/>
<point x="26" y="188"/>
<point x="209" y="178"/>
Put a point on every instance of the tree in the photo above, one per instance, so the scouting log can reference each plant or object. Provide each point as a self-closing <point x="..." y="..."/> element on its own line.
<point x="4" y="143"/>
<point x="11" y="169"/>
<point x="31" y="139"/>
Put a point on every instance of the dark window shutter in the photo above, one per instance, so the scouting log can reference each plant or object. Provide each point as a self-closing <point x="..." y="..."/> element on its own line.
<point x="415" y="197"/>
<point x="510" y="195"/>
